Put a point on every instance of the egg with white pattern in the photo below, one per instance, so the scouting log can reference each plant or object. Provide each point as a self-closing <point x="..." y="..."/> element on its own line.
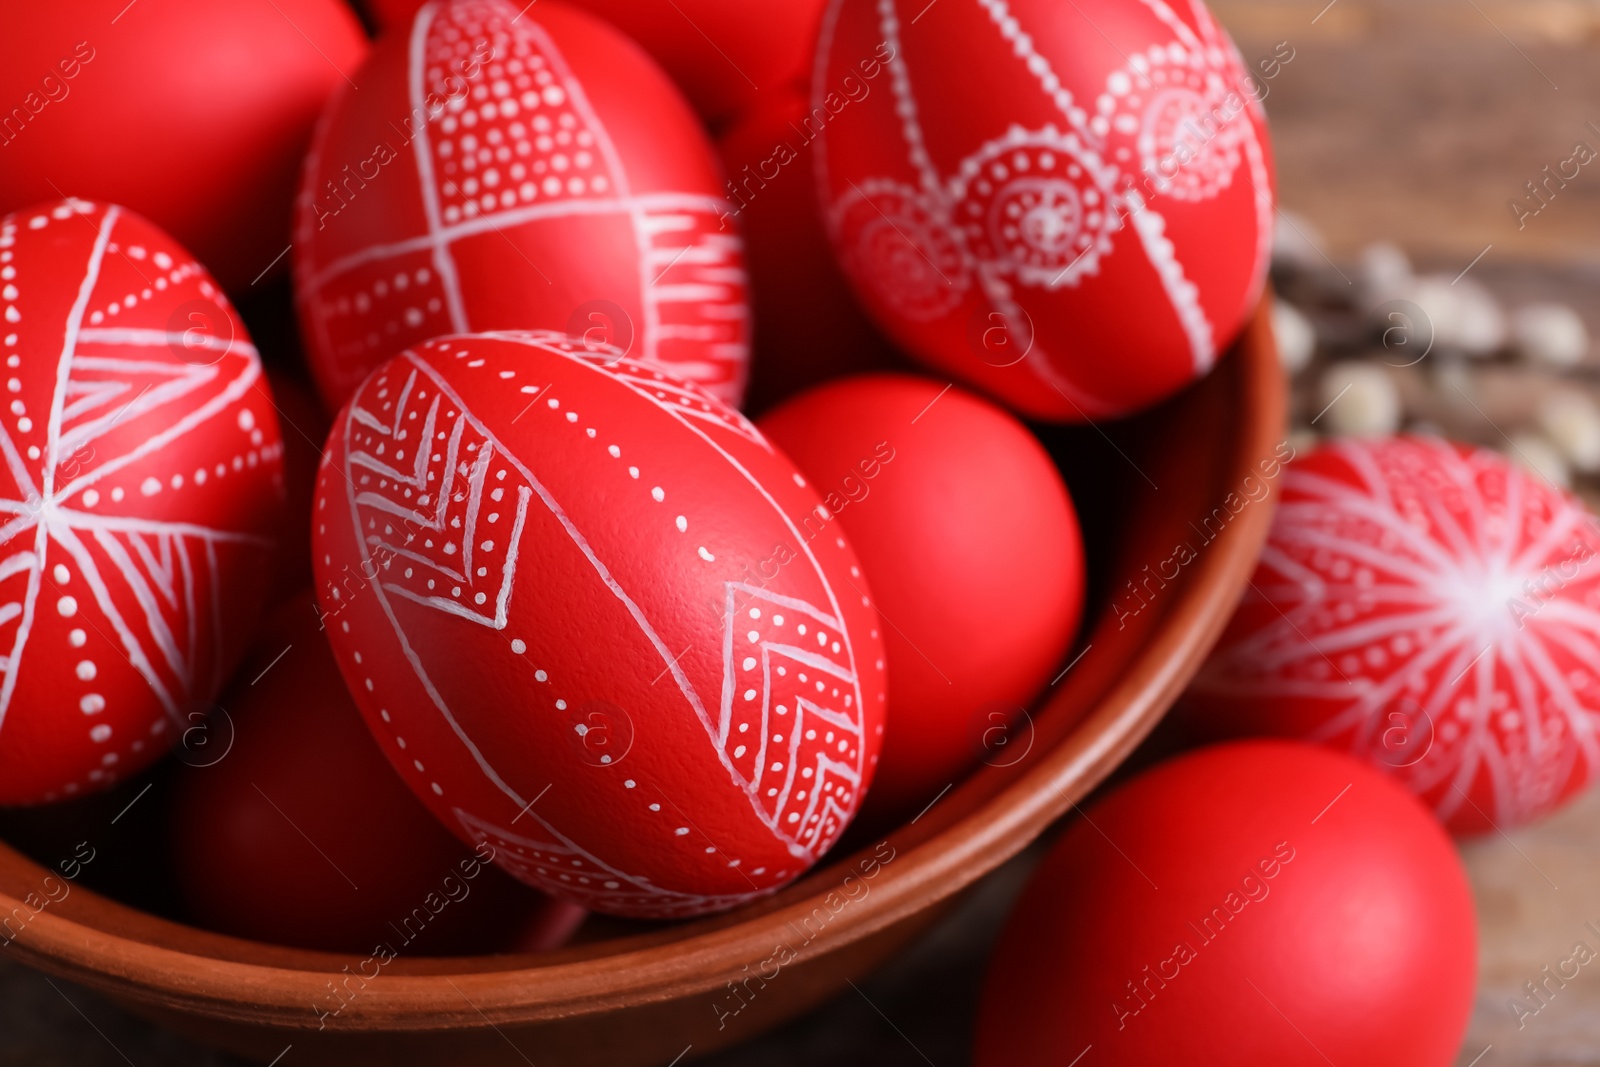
<point x="589" y="615"/>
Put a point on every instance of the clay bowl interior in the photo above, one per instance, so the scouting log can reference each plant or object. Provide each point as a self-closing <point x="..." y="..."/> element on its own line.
<point x="1189" y="473"/>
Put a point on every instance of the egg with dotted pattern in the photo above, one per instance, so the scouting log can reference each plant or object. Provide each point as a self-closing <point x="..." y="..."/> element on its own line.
<point x="1069" y="206"/>
<point x="577" y="603"/>
<point x="505" y="169"/>
<point x="1430" y="607"/>
<point x="724" y="54"/>
<point x="139" y="496"/>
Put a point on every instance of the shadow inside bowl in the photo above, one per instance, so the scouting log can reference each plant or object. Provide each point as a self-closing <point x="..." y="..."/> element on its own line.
<point x="1174" y="504"/>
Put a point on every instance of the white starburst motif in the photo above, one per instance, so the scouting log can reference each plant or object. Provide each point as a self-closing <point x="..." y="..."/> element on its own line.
<point x="126" y="423"/>
<point x="1432" y="608"/>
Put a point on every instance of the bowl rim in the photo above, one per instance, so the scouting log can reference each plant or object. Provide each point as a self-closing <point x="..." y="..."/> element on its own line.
<point x="263" y="985"/>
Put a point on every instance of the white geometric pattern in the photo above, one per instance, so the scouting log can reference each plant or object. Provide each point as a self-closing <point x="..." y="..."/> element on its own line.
<point x="155" y="583"/>
<point x="1456" y="588"/>
<point x="789" y="722"/>
<point x="523" y="149"/>
<point x="436" y="513"/>
<point x="1040" y="207"/>
<point x="552" y="858"/>
<point x="783" y="716"/>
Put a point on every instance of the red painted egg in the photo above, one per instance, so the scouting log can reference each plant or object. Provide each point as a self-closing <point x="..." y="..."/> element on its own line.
<point x="289" y="826"/>
<point x="724" y="54"/>
<point x="1261" y="904"/>
<point x="194" y="114"/>
<point x="580" y="610"/>
<point x="1429" y="607"/>
<point x="303" y="426"/>
<point x="499" y="170"/>
<point x="1069" y="206"/>
<point x="971" y="543"/>
<point x="809" y="327"/>
<point x="141" y="487"/>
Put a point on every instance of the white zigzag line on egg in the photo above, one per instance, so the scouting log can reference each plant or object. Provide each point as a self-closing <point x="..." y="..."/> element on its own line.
<point x="805" y="707"/>
<point x="600" y="569"/>
<point x="805" y="547"/>
<point x="668" y="658"/>
<point x="418" y="479"/>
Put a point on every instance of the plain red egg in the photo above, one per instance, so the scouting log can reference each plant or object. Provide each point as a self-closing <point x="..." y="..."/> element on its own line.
<point x="516" y="170"/>
<point x="726" y="55"/>
<point x="194" y="114"/>
<point x="809" y="327"/>
<point x="1066" y="205"/>
<point x="1429" y="607"/>
<point x="1260" y="904"/>
<point x="970" y="541"/>
<point x="289" y="826"/>
<point x="142" y="490"/>
<point x="574" y="598"/>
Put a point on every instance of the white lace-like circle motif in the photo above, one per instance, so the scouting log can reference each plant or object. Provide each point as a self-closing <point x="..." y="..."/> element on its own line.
<point x="897" y="245"/>
<point x="1036" y="205"/>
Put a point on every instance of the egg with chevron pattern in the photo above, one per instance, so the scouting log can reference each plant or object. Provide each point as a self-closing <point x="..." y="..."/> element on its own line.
<point x="501" y="166"/>
<point x="1069" y="206"/>
<point x="140" y="496"/>
<point x="1431" y="607"/>
<point x="597" y="622"/>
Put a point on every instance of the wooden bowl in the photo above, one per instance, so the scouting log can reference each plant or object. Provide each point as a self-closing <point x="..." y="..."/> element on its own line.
<point x="1175" y="506"/>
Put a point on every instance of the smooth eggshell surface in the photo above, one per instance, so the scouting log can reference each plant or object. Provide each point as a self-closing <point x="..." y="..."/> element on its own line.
<point x="1263" y="904"/>
<point x="577" y="603"/>
<point x="970" y="541"/>
<point x="1069" y="206"/>
<point x="499" y="170"/>
<point x="289" y="826"/>
<point x="141" y="495"/>
<point x="1431" y="608"/>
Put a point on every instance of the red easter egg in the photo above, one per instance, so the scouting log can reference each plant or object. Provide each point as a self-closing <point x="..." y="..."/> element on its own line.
<point x="575" y="600"/>
<point x="303" y="426"/>
<point x="142" y="482"/>
<point x="809" y="326"/>
<point x="289" y="826"/>
<point x="1260" y="904"/>
<point x="499" y="170"/>
<point x="970" y="541"/>
<point x="724" y="54"/>
<point x="194" y="114"/>
<point x="1069" y="206"/>
<point x="1431" y="608"/>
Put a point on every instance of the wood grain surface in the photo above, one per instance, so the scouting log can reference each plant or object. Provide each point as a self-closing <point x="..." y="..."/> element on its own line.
<point x="1415" y="121"/>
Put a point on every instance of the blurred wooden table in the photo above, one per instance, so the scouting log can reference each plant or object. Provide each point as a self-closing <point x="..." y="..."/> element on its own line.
<point x="1415" y="121"/>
